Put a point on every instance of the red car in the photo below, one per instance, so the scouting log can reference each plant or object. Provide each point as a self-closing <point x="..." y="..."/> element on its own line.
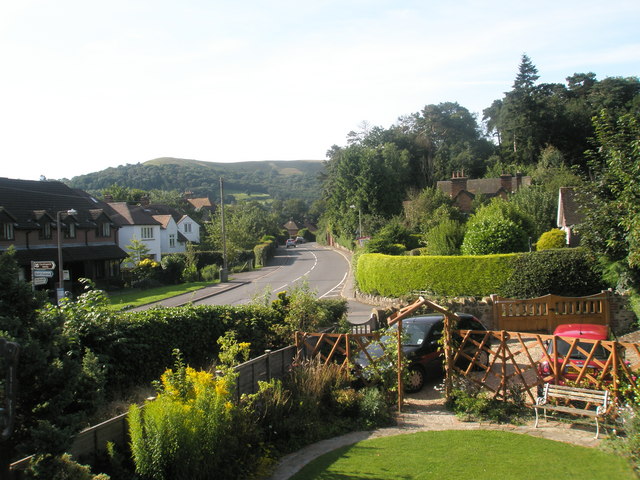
<point x="580" y="353"/>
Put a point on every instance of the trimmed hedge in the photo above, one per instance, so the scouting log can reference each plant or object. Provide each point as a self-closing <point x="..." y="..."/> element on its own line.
<point x="263" y="251"/>
<point x="570" y="272"/>
<point x="567" y="271"/>
<point x="393" y="276"/>
<point x="138" y="346"/>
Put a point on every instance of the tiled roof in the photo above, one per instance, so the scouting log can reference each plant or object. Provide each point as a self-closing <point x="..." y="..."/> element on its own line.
<point x="568" y="209"/>
<point x="126" y="215"/>
<point x="29" y="201"/>
<point x="160" y="209"/>
<point x="163" y="219"/>
<point x="200" y="202"/>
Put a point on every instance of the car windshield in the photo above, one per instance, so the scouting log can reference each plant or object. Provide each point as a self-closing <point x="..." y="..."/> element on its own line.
<point x="413" y="333"/>
<point x="563" y="348"/>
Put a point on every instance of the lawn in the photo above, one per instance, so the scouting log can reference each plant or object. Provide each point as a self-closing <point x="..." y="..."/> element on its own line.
<point x="135" y="298"/>
<point x="464" y="454"/>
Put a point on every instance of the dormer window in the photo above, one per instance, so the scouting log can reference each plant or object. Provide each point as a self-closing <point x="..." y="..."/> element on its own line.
<point x="70" y="231"/>
<point x="45" y="231"/>
<point x="104" y="229"/>
<point x="6" y="232"/>
<point x="187" y="228"/>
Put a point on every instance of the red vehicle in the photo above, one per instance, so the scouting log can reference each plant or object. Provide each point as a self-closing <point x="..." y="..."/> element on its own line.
<point x="581" y="352"/>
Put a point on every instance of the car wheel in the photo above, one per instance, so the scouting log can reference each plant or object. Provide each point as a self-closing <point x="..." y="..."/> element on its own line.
<point x="415" y="379"/>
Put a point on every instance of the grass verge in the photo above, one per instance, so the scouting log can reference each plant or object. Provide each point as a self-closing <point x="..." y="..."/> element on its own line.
<point x="459" y="454"/>
<point x="136" y="298"/>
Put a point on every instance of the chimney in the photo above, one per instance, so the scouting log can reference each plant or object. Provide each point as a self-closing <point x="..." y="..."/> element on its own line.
<point x="187" y="195"/>
<point x="108" y="197"/>
<point x="458" y="183"/>
<point x="506" y="183"/>
<point x="144" y="201"/>
<point x="518" y="180"/>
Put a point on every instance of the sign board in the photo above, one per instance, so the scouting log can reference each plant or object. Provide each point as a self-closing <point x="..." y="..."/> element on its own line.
<point x="65" y="275"/>
<point x="43" y="273"/>
<point x="43" y="265"/>
<point x="40" y="280"/>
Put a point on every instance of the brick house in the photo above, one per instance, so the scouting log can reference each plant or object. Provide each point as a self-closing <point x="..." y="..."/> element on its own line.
<point x="464" y="190"/>
<point x="88" y="236"/>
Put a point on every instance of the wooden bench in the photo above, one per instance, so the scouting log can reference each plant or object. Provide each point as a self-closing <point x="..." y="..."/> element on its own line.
<point x="596" y="402"/>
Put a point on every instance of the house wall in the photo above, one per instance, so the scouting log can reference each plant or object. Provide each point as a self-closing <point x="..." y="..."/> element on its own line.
<point x="194" y="235"/>
<point x="128" y="232"/>
<point x="165" y="233"/>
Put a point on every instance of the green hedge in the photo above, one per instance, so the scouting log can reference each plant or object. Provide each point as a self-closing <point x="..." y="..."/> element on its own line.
<point x="138" y="346"/>
<point x="393" y="276"/>
<point x="263" y="251"/>
<point x="567" y="271"/>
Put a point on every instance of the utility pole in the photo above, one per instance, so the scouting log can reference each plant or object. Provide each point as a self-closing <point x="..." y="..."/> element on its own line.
<point x="223" y="272"/>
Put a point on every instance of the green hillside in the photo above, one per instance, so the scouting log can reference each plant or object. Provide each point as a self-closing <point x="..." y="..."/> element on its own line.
<point x="276" y="178"/>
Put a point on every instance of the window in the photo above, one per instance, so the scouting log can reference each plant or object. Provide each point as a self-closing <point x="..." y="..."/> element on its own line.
<point x="6" y="233"/>
<point x="104" y="229"/>
<point x="172" y="240"/>
<point x="187" y="228"/>
<point x="45" y="231"/>
<point x="146" y="233"/>
<point x="70" y="232"/>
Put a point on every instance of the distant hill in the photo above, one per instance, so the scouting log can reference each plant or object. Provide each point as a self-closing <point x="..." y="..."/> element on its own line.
<point x="278" y="178"/>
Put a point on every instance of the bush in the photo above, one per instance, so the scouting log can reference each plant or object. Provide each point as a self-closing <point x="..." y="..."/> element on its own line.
<point x="49" y="467"/>
<point x="497" y="228"/>
<point x="445" y="238"/>
<point x="172" y="267"/>
<point x="210" y="273"/>
<point x="188" y="432"/>
<point x="495" y="235"/>
<point x="569" y="272"/>
<point x="554" y="238"/>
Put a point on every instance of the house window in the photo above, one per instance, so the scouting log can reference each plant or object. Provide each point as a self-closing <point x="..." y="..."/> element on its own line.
<point x="45" y="231"/>
<point x="70" y="232"/>
<point x="146" y="233"/>
<point x="104" y="229"/>
<point x="172" y="241"/>
<point x="6" y="233"/>
<point x="187" y="228"/>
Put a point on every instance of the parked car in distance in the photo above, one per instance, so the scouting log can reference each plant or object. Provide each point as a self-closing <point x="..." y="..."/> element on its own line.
<point x="290" y="242"/>
<point x="421" y="346"/>
<point x="580" y="352"/>
<point x="299" y="240"/>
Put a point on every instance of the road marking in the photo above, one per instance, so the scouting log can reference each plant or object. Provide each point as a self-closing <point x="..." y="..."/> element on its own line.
<point x="336" y="287"/>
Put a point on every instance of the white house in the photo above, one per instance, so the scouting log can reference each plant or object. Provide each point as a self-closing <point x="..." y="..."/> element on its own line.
<point x="189" y="228"/>
<point x="134" y="222"/>
<point x="171" y="239"/>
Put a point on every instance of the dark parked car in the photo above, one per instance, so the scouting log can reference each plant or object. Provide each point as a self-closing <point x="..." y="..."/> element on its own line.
<point x="421" y="346"/>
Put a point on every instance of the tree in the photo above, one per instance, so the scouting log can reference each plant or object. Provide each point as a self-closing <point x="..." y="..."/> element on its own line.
<point x="137" y="251"/>
<point x="611" y="203"/>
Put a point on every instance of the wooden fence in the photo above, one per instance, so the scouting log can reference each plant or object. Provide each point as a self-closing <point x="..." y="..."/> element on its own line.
<point x="543" y="314"/>
<point x="89" y="443"/>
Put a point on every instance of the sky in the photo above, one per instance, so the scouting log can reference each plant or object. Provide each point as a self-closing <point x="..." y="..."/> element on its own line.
<point x="87" y="85"/>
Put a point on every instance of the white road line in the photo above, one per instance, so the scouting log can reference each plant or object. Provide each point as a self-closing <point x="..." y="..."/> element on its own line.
<point x="337" y="286"/>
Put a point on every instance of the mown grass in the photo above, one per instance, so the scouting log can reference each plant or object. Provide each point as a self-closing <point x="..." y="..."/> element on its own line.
<point x="459" y="454"/>
<point x="136" y="298"/>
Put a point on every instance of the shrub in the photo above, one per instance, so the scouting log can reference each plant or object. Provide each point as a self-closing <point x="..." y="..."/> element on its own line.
<point x="210" y="273"/>
<point x="495" y="235"/>
<point x="445" y="238"/>
<point x="554" y="238"/>
<point x="497" y="228"/>
<point x="172" y="267"/>
<point x="187" y="431"/>
<point x="569" y="272"/>
<point x="50" y="467"/>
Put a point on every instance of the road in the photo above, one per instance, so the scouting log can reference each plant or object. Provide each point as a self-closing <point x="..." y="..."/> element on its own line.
<point x="324" y="269"/>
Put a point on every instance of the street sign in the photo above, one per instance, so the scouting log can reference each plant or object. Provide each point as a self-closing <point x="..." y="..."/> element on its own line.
<point x="43" y="265"/>
<point x="43" y="273"/>
<point x="40" y="280"/>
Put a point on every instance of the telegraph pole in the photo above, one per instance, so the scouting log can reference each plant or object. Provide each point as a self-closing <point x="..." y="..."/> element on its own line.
<point x="223" y="272"/>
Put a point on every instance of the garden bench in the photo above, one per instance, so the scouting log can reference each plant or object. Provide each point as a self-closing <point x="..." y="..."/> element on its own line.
<point x="595" y="402"/>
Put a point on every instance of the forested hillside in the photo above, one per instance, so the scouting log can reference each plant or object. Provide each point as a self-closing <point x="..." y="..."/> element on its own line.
<point x="278" y="179"/>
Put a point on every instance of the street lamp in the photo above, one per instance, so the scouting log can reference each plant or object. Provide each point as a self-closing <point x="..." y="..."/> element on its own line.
<point x="359" y="220"/>
<point x="60" y="267"/>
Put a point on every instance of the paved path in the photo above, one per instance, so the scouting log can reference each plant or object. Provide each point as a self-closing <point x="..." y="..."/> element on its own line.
<point x="425" y="411"/>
